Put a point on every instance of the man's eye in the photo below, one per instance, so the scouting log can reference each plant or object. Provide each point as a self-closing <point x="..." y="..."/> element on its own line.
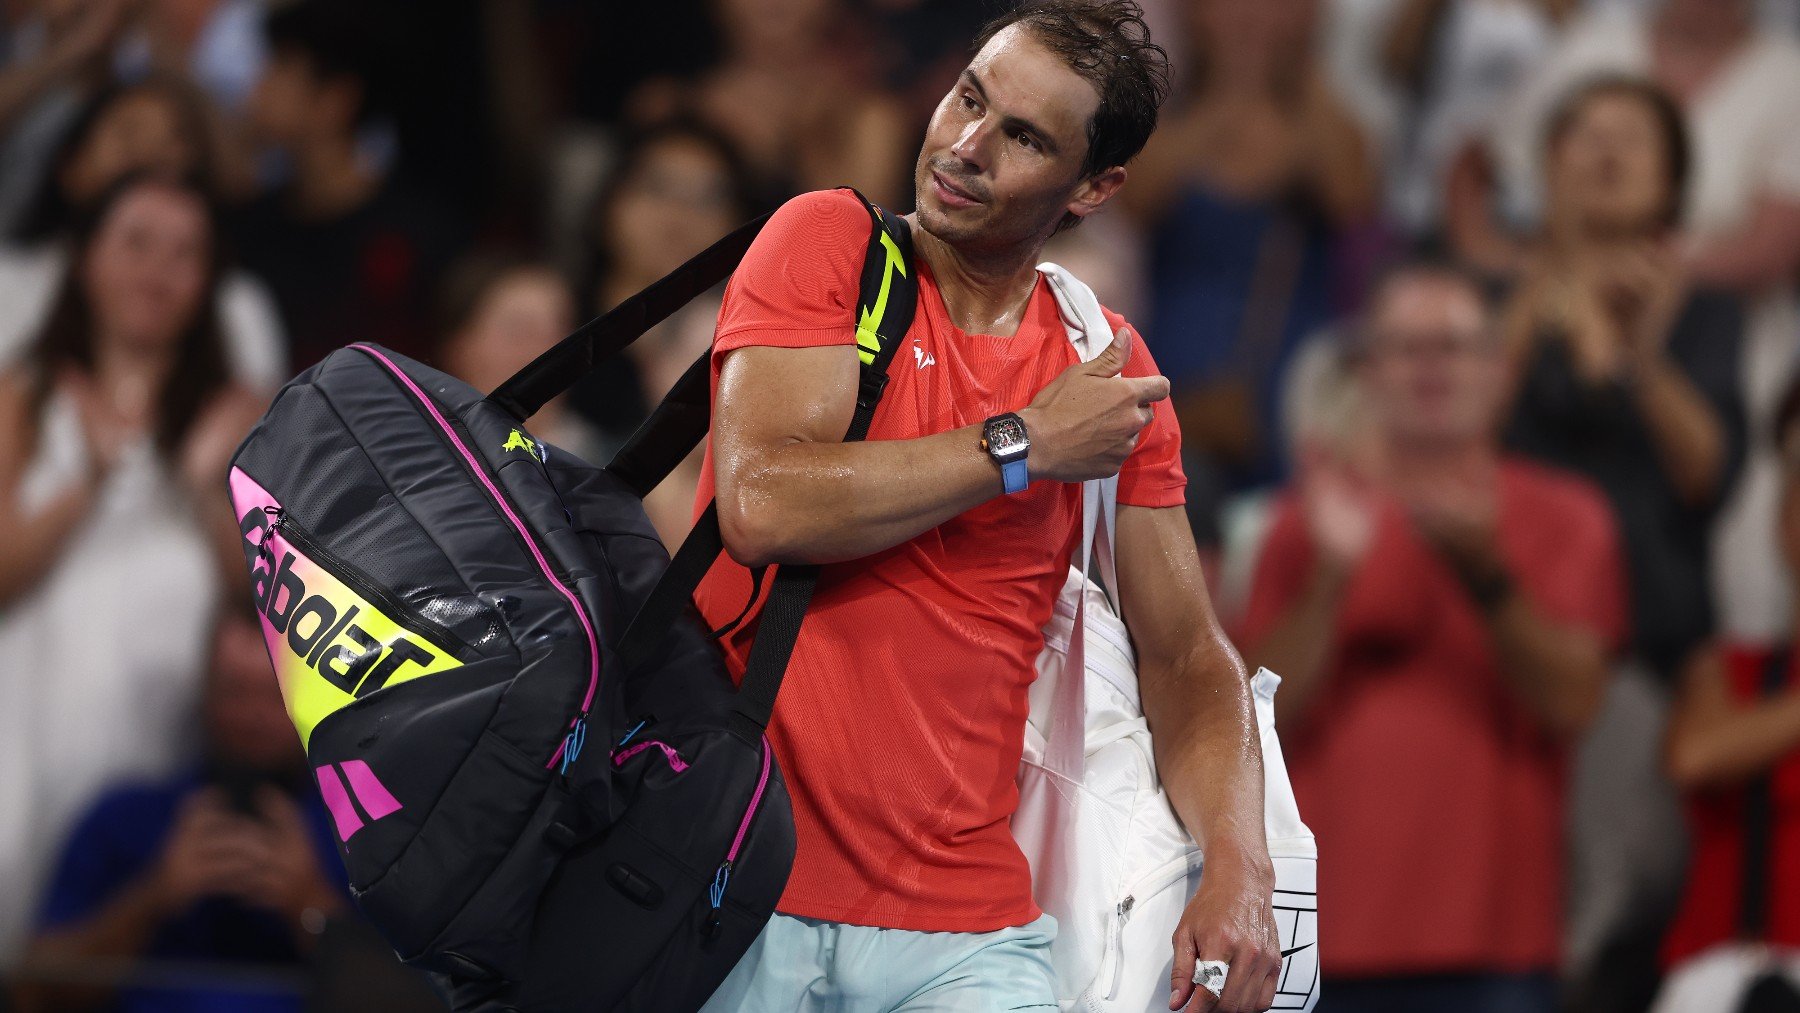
<point x="969" y="103"/>
<point x="1027" y="141"/>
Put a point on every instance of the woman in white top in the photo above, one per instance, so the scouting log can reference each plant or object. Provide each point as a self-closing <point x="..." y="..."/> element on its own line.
<point x="159" y="124"/>
<point x="118" y="539"/>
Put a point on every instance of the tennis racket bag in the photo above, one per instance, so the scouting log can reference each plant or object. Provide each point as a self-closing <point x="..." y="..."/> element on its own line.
<point x="546" y="789"/>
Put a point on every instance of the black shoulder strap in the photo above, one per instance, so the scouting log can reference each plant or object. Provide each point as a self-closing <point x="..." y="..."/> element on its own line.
<point x="885" y="305"/>
<point x="555" y="371"/>
<point x="1759" y="819"/>
<point x="886" y="300"/>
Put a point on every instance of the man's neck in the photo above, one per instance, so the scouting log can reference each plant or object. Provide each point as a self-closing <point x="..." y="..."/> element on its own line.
<point x="983" y="293"/>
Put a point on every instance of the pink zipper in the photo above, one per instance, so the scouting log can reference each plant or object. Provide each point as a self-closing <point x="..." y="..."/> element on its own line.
<point x="722" y="877"/>
<point x="575" y="603"/>
<point x="755" y="800"/>
<point x="676" y="763"/>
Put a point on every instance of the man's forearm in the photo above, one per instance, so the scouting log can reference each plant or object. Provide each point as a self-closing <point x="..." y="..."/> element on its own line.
<point x="1209" y="752"/>
<point x="828" y="502"/>
<point x="118" y="930"/>
<point x="1559" y="671"/>
<point x="1299" y="645"/>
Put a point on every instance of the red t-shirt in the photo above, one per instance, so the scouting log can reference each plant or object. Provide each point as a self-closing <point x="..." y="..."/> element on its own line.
<point x="902" y="716"/>
<point x="1715" y="889"/>
<point x="1437" y="797"/>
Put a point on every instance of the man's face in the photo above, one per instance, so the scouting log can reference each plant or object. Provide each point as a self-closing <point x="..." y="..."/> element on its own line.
<point x="292" y="104"/>
<point x="1434" y="371"/>
<point x="1003" y="154"/>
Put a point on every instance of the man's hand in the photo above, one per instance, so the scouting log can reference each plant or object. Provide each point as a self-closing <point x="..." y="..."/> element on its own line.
<point x="208" y="853"/>
<point x="1340" y="510"/>
<point x="1459" y="517"/>
<point x="286" y="877"/>
<point x="1086" y="422"/>
<point x="1230" y="919"/>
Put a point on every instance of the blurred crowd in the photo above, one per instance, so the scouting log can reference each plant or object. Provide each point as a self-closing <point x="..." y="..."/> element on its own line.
<point x="1481" y="319"/>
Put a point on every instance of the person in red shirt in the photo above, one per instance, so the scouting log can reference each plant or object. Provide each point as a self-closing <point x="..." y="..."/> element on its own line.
<point x="1733" y="746"/>
<point x="1443" y="620"/>
<point x="902" y="715"/>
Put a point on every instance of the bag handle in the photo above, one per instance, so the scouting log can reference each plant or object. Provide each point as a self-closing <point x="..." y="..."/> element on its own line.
<point x="1065" y="747"/>
<point x="557" y="369"/>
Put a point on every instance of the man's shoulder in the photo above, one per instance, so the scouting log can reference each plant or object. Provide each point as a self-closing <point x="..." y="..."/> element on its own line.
<point x="821" y="233"/>
<point x="822" y="214"/>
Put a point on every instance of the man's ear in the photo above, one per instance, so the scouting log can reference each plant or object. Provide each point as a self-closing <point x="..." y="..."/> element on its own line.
<point x="1095" y="191"/>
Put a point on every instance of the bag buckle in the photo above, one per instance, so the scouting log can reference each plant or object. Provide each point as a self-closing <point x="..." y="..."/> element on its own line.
<point x="869" y="388"/>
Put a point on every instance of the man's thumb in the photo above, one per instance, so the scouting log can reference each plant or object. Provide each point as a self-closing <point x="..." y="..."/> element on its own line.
<point x="1112" y="360"/>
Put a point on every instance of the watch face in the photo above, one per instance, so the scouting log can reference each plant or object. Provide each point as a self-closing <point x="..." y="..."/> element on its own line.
<point x="1006" y="437"/>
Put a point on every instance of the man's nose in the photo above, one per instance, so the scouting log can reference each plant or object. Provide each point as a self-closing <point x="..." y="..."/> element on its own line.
<point x="972" y="146"/>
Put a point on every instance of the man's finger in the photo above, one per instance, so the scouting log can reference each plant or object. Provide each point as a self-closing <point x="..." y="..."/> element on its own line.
<point x="1149" y="389"/>
<point x="1266" y="997"/>
<point x="1113" y="359"/>
<point x="1243" y="983"/>
<point x="1181" y="975"/>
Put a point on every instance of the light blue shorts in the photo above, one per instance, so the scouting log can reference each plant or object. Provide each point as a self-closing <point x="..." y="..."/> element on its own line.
<point x="829" y="967"/>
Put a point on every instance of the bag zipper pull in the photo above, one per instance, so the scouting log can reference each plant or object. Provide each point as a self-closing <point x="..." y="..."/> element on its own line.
<point x="277" y="516"/>
<point x="634" y="730"/>
<point x="573" y="742"/>
<point x="716" y="893"/>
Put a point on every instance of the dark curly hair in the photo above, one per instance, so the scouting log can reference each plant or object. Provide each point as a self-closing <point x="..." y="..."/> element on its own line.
<point x="1108" y="44"/>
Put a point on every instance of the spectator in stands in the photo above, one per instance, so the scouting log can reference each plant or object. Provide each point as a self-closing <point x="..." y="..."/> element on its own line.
<point x="1456" y="64"/>
<point x="114" y="433"/>
<point x="55" y="58"/>
<point x="677" y="188"/>
<point x="806" y="113"/>
<point x="1629" y="376"/>
<point x="218" y="44"/>
<point x="1628" y="371"/>
<point x="1443" y="625"/>
<point x="349" y="252"/>
<point x="1737" y="84"/>
<point x="499" y="313"/>
<point x="1242" y="189"/>
<point x="156" y="125"/>
<point x="1734" y="746"/>
<point x="231" y="861"/>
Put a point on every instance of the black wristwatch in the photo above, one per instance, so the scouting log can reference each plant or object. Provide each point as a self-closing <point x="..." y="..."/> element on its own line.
<point x="1004" y="439"/>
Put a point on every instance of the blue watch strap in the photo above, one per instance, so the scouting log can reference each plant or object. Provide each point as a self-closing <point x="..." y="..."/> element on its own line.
<point x="1015" y="476"/>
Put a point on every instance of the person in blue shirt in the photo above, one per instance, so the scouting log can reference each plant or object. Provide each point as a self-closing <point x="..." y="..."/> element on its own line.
<point x="185" y="886"/>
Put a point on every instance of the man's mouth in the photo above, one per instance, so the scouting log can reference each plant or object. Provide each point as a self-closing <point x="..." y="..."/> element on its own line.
<point x="951" y="194"/>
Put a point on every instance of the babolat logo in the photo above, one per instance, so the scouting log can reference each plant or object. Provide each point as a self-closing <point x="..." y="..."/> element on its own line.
<point x="330" y="645"/>
<point x="517" y="440"/>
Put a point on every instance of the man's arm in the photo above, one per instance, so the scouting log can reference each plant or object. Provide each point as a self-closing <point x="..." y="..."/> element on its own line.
<point x="1196" y="698"/>
<point x="790" y="491"/>
<point x="1557" y="668"/>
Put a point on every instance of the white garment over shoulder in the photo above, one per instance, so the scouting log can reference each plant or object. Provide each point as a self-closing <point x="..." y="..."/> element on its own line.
<point x="101" y="662"/>
<point x="255" y="344"/>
